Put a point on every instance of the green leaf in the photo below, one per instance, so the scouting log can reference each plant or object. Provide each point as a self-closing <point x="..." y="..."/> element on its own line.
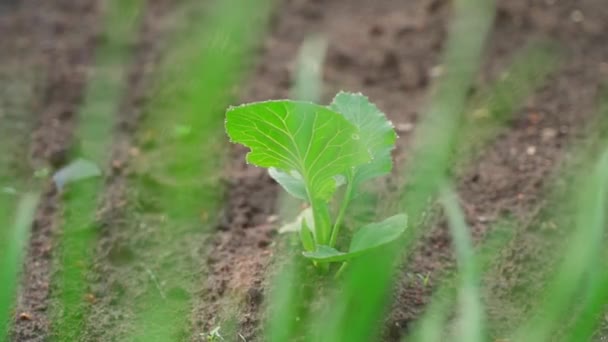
<point x="376" y="132"/>
<point x="313" y="140"/>
<point x="378" y="234"/>
<point x="306" y="236"/>
<point x="75" y="171"/>
<point x="325" y="253"/>
<point x="292" y="182"/>
<point x="294" y="226"/>
<point x="366" y="239"/>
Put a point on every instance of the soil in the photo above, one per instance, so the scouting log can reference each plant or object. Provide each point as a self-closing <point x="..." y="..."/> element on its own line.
<point x="387" y="49"/>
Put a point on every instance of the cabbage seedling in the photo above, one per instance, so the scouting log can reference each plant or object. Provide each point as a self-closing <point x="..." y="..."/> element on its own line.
<point x="311" y="150"/>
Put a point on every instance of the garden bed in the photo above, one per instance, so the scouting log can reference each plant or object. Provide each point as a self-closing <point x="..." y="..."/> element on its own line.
<point x="390" y="51"/>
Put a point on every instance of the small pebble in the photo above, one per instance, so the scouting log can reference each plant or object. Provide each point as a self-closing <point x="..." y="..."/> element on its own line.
<point x="24" y="316"/>
<point x="548" y="134"/>
<point x="89" y="297"/>
<point x="134" y="151"/>
<point x="604" y="67"/>
<point x="404" y="127"/>
<point x="577" y="16"/>
<point x="531" y="150"/>
<point x="272" y="219"/>
<point x="117" y="164"/>
<point x="436" y="71"/>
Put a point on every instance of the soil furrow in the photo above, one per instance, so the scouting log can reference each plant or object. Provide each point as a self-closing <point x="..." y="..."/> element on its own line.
<point x="104" y="319"/>
<point x="65" y="71"/>
<point x="239" y="254"/>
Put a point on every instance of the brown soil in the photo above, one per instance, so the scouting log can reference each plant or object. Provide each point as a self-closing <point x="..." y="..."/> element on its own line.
<point x="238" y="257"/>
<point x="388" y="50"/>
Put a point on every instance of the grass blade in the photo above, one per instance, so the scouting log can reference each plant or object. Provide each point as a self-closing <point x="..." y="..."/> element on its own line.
<point x="81" y="199"/>
<point x="578" y="262"/>
<point x="470" y="321"/>
<point x="361" y="302"/>
<point x="288" y="302"/>
<point x="206" y="63"/>
<point x="11" y="259"/>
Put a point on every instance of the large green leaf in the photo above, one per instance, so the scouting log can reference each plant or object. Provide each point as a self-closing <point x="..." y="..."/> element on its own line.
<point x="313" y="140"/>
<point x="366" y="239"/>
<point x="376" y="132"/>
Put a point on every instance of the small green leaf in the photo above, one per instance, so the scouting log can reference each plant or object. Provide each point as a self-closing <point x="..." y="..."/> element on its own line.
<point x="292" y="182"/>
<point x="325" y="253"/>
<point x="9" y="190"/>
<point x="378" y="234"/>
<point x="76" y="171"/>
<point x="376" y="132"/>
<point x="366" y="239"/>
<point x="294" y="226"/>
<point x="306" y="236"/>
<point x="313" y="140"/>
<point x="42" y="173"/>
<point x="181" y="131"/>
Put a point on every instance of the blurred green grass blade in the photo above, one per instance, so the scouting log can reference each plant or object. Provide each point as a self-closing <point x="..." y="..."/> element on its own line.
<point x="208" y="61"/>
<point x="435" y="138"/>
<point x="494" y="105"/>
<point x="361" y="301"/>
<point x="578" y="261"/>
<point x="287" y="308"/>
<point x="283" y="300"/>
<point x="470" y="321"/>
<point x="486" y="113"/>
<point x="432" y="327"/>
<point x="288" y="301"/>
<point x="81" y="199"/>
<point x="11" y="259"/>
<point x="106" y="86"/>
<point x="309" y="71"/>
<point x="527" y="71"/>
<point x="589" y="317"/>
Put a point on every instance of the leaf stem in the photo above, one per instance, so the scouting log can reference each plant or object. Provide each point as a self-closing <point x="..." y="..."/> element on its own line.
<point x="322" y="220"/>
<point x="336" y="228"/>
<point x="341" y="270"/>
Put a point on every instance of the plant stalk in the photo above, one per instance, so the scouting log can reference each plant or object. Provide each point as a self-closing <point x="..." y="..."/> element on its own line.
<point x="320" y="214"/>
<point x="341" y="270"/>
<point x="336" y="228"/>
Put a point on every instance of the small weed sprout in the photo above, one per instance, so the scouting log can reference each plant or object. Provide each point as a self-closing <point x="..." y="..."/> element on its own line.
<point x="213" y="336"/>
